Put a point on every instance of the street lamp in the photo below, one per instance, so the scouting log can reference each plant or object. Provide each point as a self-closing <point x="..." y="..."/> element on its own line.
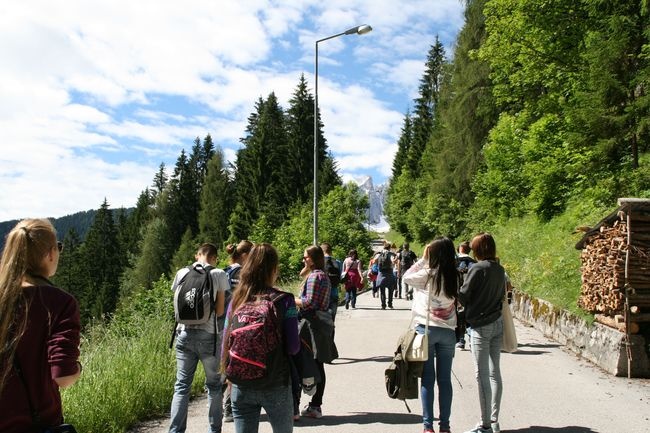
<point x="359" y="30"/>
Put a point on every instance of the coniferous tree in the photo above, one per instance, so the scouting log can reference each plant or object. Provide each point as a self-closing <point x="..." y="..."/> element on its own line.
<point x="102" y="263"/>
<point x="300" y="129"/>
<point x="216" y="202"/>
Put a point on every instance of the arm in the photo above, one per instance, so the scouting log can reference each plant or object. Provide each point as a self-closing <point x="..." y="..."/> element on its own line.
<point x="220" y="280"/>
<point x="417" y="279"/>
<point x="63" y="345"/>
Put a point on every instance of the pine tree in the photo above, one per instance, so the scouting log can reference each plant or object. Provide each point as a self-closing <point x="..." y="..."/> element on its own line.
<point x="216" y="202"/>
<point x="102" y="263"/>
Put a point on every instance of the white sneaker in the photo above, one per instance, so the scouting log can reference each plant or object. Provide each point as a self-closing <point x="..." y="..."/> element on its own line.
<point x="480" y="429"/>
<point x="496" y="428"/>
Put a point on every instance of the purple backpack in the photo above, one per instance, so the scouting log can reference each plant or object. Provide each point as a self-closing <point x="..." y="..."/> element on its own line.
<point x="255" y="346"/>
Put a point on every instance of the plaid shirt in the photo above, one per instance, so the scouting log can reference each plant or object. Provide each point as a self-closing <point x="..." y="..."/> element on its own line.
<point x="316" y="292"/>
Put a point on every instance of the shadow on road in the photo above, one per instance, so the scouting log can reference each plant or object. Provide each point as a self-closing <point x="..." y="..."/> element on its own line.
<point x="354" y="360"/>
<point x="541" y="429"/>
<point x="362" y="418"/>
<point x="530" y="352"/>
<point x="538" y="345"/>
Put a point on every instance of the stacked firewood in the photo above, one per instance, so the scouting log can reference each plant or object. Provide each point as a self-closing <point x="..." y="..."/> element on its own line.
<point x="603" y="272"/>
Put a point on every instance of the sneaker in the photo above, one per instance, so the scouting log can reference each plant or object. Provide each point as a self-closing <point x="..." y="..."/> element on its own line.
<point x="460" y="345"/>
<point x="496" y="428"/>
<point x="480" y="429"/>
<point x="311" y="412"/>
<point x="428" y="430"/>
<point x="227" y="417"/>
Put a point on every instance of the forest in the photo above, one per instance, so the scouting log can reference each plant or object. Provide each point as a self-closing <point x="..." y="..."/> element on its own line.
<point x="540" y="114"/>
<point x="534" y="124"/>
<point x="264" y="196"/>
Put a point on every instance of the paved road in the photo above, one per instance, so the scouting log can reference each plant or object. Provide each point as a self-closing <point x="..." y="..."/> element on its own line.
<point x="546" y="389"/>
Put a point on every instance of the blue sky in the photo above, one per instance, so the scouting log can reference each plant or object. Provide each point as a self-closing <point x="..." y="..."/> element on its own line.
<point x="94" y="95"/>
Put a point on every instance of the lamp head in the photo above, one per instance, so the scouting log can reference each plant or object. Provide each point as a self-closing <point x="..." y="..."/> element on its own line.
<point x="360" y="30"/>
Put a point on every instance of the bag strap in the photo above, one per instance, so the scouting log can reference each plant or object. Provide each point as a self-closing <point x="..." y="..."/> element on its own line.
<point x="36" y="417"/>
<point x="426" y="325"/>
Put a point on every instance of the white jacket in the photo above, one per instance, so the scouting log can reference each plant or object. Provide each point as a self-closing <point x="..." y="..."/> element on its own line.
<point x="442" y="310"/>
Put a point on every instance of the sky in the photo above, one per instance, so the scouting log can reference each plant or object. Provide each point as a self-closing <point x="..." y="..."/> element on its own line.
<point x="95" y="95"/>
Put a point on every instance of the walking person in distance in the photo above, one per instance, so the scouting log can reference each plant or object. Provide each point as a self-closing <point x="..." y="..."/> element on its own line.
<point x="435" y="283"/>
<point x="386" y="279"/>
<point x="39" y="330"/>
<point x="481" y="294"/>
<point x="353" y="271"/>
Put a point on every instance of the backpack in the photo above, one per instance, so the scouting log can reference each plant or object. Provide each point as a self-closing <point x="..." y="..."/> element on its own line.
<point x="255" y="348"/>
<point x="406" y="259"/>
<point x="233" y="280"/>
<point x="194" y="296"/>
<point x="401" y="376"/>
<point x="333" y="271"/>
<point x="385" y="262"/>
<point x="464" y="265"/>
<point x="353" y="277"/>
<point x="374" y="268"/>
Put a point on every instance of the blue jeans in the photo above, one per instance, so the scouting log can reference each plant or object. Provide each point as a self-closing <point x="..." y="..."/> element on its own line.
<point x="192" y="346"/>
<point x="486" y="348"/>
<point x="442" y="344"/>
<point x="248" y="402"/>
<point x="351" y="297"/>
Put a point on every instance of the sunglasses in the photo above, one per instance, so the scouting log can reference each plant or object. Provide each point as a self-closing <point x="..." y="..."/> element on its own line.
<point x="59" y="246"/>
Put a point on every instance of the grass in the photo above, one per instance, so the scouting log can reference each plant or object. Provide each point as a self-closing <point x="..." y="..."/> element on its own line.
<point x="129" y="373"/>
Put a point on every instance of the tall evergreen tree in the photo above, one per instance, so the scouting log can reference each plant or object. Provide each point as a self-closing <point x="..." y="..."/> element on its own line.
<point x="102" y="263"/>
<point x="217" y="201"/>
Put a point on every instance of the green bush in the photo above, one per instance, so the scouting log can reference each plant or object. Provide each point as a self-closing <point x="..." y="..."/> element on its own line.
<point x="129" y="369"/>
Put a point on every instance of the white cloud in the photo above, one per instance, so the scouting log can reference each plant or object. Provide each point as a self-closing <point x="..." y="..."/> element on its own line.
<point x="95" y="93"/>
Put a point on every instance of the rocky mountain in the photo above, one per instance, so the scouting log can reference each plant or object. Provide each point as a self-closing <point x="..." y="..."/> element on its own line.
<point x="377" y="197"/>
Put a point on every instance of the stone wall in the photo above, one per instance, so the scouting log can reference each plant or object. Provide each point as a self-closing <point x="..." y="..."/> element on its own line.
<point x="598" y="343"/>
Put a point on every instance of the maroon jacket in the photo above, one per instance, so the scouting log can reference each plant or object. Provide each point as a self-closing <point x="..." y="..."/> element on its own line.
<point x="48" y="349"/>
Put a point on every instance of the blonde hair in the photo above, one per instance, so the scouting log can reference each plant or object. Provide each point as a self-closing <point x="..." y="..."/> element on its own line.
<point x="27" y="244"/>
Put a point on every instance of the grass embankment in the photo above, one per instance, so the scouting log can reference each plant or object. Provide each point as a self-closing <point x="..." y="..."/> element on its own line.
<point x="129" y="369"/>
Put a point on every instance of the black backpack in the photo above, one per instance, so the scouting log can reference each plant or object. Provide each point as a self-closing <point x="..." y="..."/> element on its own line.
<point x="194" y="299"/>
<point x="333" y="271"/>
<point x="385" y="262"/>
<point x="407" y="259"/>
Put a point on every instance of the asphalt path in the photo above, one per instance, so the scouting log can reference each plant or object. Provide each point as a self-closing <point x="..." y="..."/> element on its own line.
<point x="546" y="388"/>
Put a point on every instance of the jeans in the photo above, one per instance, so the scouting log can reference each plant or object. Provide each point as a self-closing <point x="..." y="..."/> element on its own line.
<point x="317" y="398"/>
<point x="351" y="297"/>
<point x="442" y="342"/>
<point x="193" y="345"/>
<point x="486" y="348"/>
<point x="387" y="283"/>
<point x="247" y="404"/>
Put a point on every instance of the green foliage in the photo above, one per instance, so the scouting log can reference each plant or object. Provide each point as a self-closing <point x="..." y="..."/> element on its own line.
<point x="216" y="201"/>
<point x="128" y="366"/>
<point x="341" y="213"/>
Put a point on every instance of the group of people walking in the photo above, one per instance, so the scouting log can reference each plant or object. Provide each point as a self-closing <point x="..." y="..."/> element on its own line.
<point x="40" y="330"/>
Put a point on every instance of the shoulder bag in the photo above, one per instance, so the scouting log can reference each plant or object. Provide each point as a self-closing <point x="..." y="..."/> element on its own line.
<point x="418" y="348"/>
<point x="509" y="342"/>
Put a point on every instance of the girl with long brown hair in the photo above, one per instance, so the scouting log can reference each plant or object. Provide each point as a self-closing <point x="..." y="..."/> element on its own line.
<point x="257" y="278"/>
<point x="39" y="330"/>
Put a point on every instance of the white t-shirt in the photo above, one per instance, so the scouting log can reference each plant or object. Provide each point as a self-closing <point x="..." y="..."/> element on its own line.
<point x="219" y="283"/>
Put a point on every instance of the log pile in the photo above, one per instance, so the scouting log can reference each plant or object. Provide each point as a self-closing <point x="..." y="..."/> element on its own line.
<point x="604" y="289"/>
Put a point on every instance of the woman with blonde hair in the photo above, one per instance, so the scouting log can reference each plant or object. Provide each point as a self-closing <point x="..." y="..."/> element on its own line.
<point x="39" y="330"/>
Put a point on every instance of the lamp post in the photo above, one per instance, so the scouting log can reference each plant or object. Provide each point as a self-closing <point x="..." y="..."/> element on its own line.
<point x="359" y="30"/>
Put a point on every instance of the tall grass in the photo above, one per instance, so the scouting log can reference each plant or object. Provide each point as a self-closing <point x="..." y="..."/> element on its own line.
<point x="129" y="369"/>
<point x="541" y="258"/>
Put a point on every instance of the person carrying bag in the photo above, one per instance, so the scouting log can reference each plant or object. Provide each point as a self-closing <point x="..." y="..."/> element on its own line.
<point x="435" y="281"/>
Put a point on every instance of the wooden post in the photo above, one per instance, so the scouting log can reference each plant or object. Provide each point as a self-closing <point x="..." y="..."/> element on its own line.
<point x="628" y="338"/>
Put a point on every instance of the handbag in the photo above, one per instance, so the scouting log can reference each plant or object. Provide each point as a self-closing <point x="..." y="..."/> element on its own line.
<point x="509" y="341"/>
<point x="418" y="348"/>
